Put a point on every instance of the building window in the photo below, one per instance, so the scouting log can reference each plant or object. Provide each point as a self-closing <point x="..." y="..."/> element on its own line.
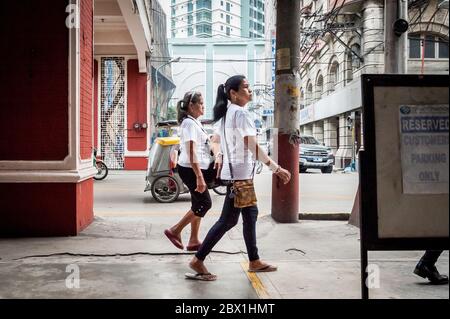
<point x="228" y="7"/>
<point x="204" y="16"/>
<point x="203" y="30"/>
<point x="319" y="88"/>
<point x="333" y="76"/>
<point x="353" y="62"/>
<point x="427" y="46"/>
<point x="204" y="4"/>
<point x="309" y="94"/>
<point x="228" y="31"/>
<point x="228" y="19"/>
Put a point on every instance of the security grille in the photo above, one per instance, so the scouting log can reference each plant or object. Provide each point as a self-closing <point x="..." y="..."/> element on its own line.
<point x="113" y="112"/>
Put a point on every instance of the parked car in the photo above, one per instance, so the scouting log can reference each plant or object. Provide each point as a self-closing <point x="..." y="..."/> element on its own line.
<point x="314" y="155"/>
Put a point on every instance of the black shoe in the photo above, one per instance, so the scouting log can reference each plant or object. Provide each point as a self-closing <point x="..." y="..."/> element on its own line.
<point x="431" y="273"/>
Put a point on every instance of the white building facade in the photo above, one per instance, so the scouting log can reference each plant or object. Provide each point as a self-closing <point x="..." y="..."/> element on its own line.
<point x="207" y="63"/>
<point x="205" y="18"/>
<point x="338" y="48"/>
<point x="217" y="18"/>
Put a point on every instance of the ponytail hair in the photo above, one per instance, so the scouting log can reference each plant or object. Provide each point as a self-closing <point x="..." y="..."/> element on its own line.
<point x="183" y="105"/>
<point x="223" y="95"/>
<point x="181" y="112"/>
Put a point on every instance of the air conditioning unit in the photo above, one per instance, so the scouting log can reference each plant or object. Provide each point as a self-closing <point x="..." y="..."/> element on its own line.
<point x="443" y="4"/>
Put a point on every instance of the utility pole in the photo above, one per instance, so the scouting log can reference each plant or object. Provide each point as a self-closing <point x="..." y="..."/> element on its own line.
<point x="285" y="198"/>
<point x="396" y="36"/>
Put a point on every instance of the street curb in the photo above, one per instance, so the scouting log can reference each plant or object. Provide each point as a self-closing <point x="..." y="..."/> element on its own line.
<point x="324" y="216"/>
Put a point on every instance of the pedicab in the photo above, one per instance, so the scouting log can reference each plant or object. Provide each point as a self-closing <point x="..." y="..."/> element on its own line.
<point x="162" y="178"/>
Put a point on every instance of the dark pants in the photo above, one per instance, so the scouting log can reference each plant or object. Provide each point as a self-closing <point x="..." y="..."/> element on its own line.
<point x="430" y="257"/>
<point x="229" y="219"/>
<point x="201" y="202"/>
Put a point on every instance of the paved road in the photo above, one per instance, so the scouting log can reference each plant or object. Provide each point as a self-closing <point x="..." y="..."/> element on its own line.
<point x="122" y="194"/>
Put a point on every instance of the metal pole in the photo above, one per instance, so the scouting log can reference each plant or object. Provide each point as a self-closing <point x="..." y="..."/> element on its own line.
<point x="285" y="198"/>
<point x="402" y="50"/>
<point x="396" y="46"/>
<point x="390" y="53"/>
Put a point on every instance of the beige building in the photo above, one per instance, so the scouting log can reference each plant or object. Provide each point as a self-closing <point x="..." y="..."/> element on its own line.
<point x="342" y="40"/>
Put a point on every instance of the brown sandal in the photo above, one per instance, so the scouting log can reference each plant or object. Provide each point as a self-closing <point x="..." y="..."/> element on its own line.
<point x="202" y="277"/>
<point x="265" y="268"/>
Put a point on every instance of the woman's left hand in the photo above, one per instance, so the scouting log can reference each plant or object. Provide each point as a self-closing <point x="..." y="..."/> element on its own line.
<point x="201" y="185"/>
<point x="284" y="175"/>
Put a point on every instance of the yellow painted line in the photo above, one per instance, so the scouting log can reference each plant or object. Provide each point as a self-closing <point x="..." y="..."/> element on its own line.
<point x="256" y="282"/>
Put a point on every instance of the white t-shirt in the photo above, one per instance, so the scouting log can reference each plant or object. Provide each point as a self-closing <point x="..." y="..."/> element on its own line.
<point x="192" y="130"/>
<point x="238" y="125"/>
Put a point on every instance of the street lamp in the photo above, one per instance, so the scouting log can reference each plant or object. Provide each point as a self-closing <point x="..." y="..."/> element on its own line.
<point x="157" y="84"/>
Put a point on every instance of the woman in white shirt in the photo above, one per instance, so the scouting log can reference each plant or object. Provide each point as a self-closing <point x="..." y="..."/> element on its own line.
<point x="236" y="135"/>
<point x="194" y="160"/>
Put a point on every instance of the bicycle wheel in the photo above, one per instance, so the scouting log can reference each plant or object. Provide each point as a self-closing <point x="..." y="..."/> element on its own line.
<point x="165" y="189"/>
<point x="220" y="190"/>
<point x="102" y="171"/>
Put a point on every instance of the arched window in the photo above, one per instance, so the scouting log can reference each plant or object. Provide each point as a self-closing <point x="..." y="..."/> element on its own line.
<point x="428" y="46"/>
<point x="319" y="88"/>
<point x="353" y="62"/>
<point x="333" y="76"/>
<point x="309" y="93"/>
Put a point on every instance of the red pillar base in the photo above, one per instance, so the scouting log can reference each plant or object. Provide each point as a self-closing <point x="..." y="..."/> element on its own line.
<point x="285" y="198"/>
<point x="45" y="209"/>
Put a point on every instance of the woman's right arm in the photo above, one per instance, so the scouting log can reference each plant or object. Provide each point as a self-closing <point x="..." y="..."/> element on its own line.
<point x="252" y="144"/>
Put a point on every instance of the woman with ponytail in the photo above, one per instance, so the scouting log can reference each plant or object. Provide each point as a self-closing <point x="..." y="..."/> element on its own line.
<point x="193" y="163"/>
<point x="236" y="135"/>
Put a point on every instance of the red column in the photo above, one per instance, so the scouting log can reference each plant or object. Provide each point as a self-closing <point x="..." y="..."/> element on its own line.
<point x="285" y="207"/>
<point x="136" y="114"/>
<point x="45" y="120"/>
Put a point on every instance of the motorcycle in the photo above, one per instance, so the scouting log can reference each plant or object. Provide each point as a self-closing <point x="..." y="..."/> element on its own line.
<point x="102" y="169"/>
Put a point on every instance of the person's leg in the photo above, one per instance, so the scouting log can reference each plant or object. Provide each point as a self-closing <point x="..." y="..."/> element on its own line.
<point x="174" y="233"/>
<point x="426" y="268"/>
<point x="201" y="205"/>
<point x="227" y="220"/>
<point x="188" y="177"/>
<point x="187" y="219"/>
<point x="250" y="216"/>
<point x="195" y="229"/>
<point x="430" y="257"/>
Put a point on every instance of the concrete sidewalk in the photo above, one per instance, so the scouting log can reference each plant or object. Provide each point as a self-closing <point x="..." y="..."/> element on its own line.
<point x="129" y="257"/>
